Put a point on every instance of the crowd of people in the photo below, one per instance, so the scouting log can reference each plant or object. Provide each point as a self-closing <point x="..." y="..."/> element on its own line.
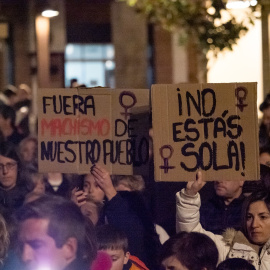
<point x="98" y="221"/>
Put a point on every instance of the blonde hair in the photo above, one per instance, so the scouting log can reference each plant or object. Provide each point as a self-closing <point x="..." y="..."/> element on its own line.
<point x="133" y="182"/>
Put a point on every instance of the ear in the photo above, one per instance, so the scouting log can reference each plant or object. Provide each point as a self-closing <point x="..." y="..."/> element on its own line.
<point x="126" y="257"/>
<point x="70" y="249"/>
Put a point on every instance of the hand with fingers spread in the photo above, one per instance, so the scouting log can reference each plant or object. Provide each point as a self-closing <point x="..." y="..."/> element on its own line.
<point x="193" y="187"/>
<point x="103" y="179"/>
<point x="78" y="196"/>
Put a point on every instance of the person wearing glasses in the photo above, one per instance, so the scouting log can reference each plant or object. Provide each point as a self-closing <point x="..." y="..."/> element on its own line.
<point x="12" y="188"/>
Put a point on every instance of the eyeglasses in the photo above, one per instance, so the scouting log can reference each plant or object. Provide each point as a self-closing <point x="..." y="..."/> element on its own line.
<point x="9" y="166"/>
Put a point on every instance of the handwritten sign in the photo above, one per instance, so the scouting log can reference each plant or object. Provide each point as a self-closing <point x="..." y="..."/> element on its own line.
<point x="80" y="127"/>
<point x="211" y="127"/>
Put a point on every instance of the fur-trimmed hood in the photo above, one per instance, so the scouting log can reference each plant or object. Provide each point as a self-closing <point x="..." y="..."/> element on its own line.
<point x="231" y="236"/>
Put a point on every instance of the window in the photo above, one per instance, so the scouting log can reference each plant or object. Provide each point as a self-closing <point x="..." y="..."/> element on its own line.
<point x="91" y="64"/>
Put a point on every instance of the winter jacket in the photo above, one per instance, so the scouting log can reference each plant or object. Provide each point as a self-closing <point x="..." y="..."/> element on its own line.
<point x="127" y="212"/>
<point x="216" y="216"/>
<point x="135" y="263"/>
<point x="232" y="244"/>
<point x="12" y="199"/>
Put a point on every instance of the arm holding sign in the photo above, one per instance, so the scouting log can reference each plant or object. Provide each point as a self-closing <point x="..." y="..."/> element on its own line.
<point x="188" y="204"/>
<point x="96" y="185"/>
<point x="125" y="210"/>
<point x="103" y="179"/>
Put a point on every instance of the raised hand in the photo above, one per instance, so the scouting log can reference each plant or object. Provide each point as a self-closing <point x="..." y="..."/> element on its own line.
<point x="78" y="196"/>
<point x="195" y="186"/>
<point x="103" y="179"/>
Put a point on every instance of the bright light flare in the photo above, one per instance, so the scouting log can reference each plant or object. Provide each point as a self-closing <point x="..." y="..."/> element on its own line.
<point x="49" y="13"/>
<point x="236" y="4"/>
<point x="44" y="268"/>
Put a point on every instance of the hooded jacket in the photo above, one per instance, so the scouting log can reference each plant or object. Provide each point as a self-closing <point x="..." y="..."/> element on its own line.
<point x="232" y="244"/>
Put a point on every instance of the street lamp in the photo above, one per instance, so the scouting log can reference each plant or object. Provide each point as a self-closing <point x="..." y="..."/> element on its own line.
<point x="42" y="23"/>
<point x="49" y="13"/>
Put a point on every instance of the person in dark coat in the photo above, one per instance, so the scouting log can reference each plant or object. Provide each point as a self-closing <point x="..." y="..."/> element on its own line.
<point x="12" y="187"/>
<point x="125" y="210"/>
<point x="224" y="209"/>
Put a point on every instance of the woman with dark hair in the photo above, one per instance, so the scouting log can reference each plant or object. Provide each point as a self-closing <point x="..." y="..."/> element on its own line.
<point x="189" y="251"/>
<point x="12" y="188"/>
<point x="252" y="243"/>
<point x="125" y="210"/>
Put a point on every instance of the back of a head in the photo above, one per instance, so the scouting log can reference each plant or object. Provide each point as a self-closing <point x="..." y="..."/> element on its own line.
<point x="109" y="237"/>
<point x="10" y="90"/>
<point x="193" y="250"/>
<point x="65" y="221"/>
<point x="265" y="104"/>
<point x="9" y="93"/>
<point x="264" y="182"/>
<point x="8" y="112"/>
<point x="131" y="182"/>
<point x="235" y="264"/>
<point x="265" y="176"/>
<point x="8" y="149"/>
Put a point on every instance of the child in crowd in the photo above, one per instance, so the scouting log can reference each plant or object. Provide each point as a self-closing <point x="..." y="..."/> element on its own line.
<point x="189" y="251"/>
<point x="115" y="243"/>
<point x="125" y="210"/>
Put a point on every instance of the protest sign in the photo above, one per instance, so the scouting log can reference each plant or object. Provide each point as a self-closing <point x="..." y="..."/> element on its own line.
<point x="80" y="127"/>
<point x="207" y="127"/>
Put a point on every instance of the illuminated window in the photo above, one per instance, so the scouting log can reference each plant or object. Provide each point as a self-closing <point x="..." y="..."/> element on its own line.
<point x="91" y="64"/>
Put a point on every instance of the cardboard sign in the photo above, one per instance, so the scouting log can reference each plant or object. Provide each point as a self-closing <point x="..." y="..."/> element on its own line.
<point x="80" y="127"/>
<point x="211" y="127"/>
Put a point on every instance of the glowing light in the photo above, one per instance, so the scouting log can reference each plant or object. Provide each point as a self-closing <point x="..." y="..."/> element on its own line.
<point x="44" y="268"/>
<point x="49" y="13"/>
<point x="69" y="49"/>
<point x="24" y="109"/>
<point x="237" y="4"/>
<point x="211" y="10"/>
<point x="217" y="22"/>
<point x="109" y="64"/>
<point x="110" y="52"/>
<point x="253" y="3"/>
